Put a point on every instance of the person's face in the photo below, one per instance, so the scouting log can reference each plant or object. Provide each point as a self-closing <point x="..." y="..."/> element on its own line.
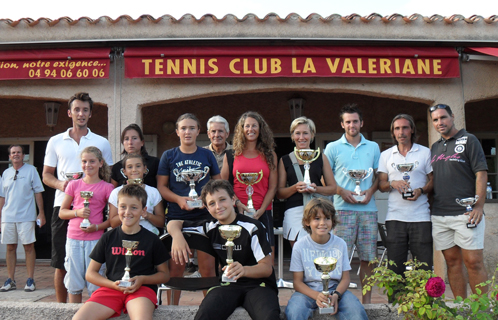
<point x="402" y="131"/>
<point x="320" y="225"/>
<point x="351" y="124"/>
<point x="302" y="136"/>
<point x="130" y="210"/>
<point x="134" y="169"/>
<point x="16" y="156"/>
<point x="251" y="129"/>
<point x="187" y="131"/>
<point x="217" y="134"/>
<point x="90" y="164"/>
<point x="220" y="206"/>
<point x="132" y="142"/>
<point x="443" y="122"/>
<point x="80" y="113"/>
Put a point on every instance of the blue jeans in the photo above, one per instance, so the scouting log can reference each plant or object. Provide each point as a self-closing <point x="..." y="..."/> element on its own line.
<point x="301" y="307"/>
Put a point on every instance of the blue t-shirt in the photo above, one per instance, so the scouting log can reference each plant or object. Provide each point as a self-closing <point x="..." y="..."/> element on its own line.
<point x="342" y="154"/>
<point x="173" y="161"/>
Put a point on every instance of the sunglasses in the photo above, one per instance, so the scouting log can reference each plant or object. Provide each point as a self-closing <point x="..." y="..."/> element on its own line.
<point x="15" y="176"/>
<point x="438" y="106"/>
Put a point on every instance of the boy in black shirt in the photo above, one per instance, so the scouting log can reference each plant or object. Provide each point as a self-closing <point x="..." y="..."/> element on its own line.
<point x="139" y="299"/>
<point x="255" y="288"/>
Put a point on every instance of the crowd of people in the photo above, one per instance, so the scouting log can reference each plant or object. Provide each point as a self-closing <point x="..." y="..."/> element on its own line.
<point x="330" y="210"/>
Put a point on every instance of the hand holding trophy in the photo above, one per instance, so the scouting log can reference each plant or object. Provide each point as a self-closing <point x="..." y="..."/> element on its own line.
<point x="230" y="233"/>
<point x="87" y="195"/>
<point x="191" y="176"/>
<point x="307" y="156"/>
<point x="405" y="169"/>
<point x="129" y="246"/>
<point x="325" y="265"/>
<point x="468" y="203"/>
<point x="358" y="176"/>
<point x="250" y="179"/>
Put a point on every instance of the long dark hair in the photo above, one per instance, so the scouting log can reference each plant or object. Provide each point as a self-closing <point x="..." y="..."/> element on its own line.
<point x="135" y="127"/>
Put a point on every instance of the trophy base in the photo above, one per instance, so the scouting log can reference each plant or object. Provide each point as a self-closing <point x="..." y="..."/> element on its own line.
<point x="408" y="194"/>
<point x="124" y="284"/>
<point x="359" y="198"/>
<point x="224" y="278"/>
<point x="471" y="225"/>
<point x="85" y="224"/>
<point x="327" y="310"/>
<point x="194" y="203"/>
<point x="250" y="213"/>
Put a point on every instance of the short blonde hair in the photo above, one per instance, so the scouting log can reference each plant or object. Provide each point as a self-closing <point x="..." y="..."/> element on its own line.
<point x="311" y="210"/>
<point x="303" y="120"/>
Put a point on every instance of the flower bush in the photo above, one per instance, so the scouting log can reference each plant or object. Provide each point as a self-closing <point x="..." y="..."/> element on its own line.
<point x="420" y="294"/>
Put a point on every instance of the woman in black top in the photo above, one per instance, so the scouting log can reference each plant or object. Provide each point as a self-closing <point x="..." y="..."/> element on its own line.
<point x="292" y="188"/>
<point x="132" y="138"/>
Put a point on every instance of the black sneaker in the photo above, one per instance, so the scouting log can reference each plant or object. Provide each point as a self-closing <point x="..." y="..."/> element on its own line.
<point x="30" y="285"/>
<point x="8" y="285"/>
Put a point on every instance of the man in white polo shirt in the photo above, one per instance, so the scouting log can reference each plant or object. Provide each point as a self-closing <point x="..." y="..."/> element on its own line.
<point x="408" y="220"/>
<point x="63" y="153"/>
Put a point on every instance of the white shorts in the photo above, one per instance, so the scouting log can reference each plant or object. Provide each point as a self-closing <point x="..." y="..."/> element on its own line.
<point x="448" y="231"/>
<point x="293" y="224"/>
<point x="12" y="232"/>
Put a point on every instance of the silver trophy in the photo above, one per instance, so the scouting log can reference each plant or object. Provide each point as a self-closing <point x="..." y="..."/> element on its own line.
<point x="405" y="169"/>
<point x="468" y="203"/>
<point x="249" y="179"/>
<point x="191" y="176"/>
<point x="358" y="176"/>
<point x="229" y="233"/>
<point x="129" y="246"/>
<point x="307" y="156"/>
<point x="68" y="176"/>
<point x="87" y="195"/>
<point x="325" y="265"/>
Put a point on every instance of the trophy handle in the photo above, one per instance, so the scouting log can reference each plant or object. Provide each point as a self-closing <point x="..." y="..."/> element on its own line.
<point x="345" y="171"/>
<point x="296" y="153"/>
<point x="237" y="175"/>
<point x="370" y="170"/>
<point x="260" y="176"/>
<point x="206" y="171"/>
<point x="415" y="165"/>
<point x="317" y="151"/>
<point x="122" y="173"/>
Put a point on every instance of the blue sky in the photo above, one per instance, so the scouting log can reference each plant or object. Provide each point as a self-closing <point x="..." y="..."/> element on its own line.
<point x="54" y="9"/>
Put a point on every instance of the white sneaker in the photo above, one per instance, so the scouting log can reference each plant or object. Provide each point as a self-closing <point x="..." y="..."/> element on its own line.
<point x="8" y="285"/>
<point x="30" y="285"/>
<point x="194" y="275"/>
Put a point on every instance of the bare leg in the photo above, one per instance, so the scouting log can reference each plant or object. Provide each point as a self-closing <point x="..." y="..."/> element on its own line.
<point x="29" y="250"/>
<point x="365" y="271"/>
<point x="93" y="311"/>
<point x="474" y="261"/>
<point x="11" y="258"/>
<point x="75" y="298"/>
<point x="456" y="276"/>
<point x="175" y="271"/>
<point x="60" y="288"/>
<point x="140" y="308"/>
<point x="206" y="266"/>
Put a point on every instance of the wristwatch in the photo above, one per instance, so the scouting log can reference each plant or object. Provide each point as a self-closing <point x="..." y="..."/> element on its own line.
<point x="421" y="190"/>
<point x="339" y="295"/>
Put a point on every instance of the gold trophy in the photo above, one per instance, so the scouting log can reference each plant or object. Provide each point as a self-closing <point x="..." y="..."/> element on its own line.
<point x="358" y="176"/>
<point x="87" y="195"/>
<point x="325" y="265"/>
<point x="249" y="179"/>
<point x="134" y="181"/>
<point x="72" y="175"/>
<point x="129" y="246"/>
<point x="307" y="156"/>
<point x="229" y="232"/>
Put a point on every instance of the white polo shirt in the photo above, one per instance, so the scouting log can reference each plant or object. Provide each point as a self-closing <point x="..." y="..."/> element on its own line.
<point x="398" y="208"/>
<point x="63" y="153"/>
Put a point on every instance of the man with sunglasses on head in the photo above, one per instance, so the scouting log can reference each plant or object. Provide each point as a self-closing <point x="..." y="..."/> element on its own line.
<point x="21" y="188"/>
<point x="460" y="171"/>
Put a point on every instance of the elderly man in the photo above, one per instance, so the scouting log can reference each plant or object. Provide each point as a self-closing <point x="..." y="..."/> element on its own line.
<point x="218" y="132"/>
<point x="408" y="220"/>
<point x="460" y="171"/>
<point x="21" y="188"/>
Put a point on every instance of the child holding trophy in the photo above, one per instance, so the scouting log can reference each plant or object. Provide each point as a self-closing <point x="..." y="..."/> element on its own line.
<point x="134" y="249"/>
<point x="182" y="173"/>
<point x="318" y="220"/>
<point x="251" y="283"/>
<point x="88" y="197"/>
<point x="134" y="169"/>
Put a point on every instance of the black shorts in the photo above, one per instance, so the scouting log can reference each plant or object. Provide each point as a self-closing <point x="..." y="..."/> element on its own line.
<point x="59" y="235"/>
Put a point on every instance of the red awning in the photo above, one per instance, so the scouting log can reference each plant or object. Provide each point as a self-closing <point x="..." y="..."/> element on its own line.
<point x="488" y="51"/>
<point x="291" y="61"/>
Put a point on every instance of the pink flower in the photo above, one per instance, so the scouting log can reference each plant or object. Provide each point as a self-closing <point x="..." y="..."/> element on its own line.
<point x="497" y="296"/>
<point x="435" y="287"/>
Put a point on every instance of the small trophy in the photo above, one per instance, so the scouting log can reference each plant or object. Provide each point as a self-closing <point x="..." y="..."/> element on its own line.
<point x="405" y="168"/>
<point x="72" y="175"/>
<point x="468" y="202"/>
<point x="229" y="232"/>
<point x="325" y="265"/>
<point x="87" y="195"/>
<point x="307" y="156"/>
<point x="191" y="176"/>
<point x="134" y="181"/>
<point x="129" y="246"/>
<point x="249" y="179"/>
<point x="358" y="176"/>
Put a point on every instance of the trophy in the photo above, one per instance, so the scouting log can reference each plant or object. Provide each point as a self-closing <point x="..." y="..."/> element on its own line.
<point x="358" y="176"/>
<point x="249" y="179"/>
<point x="229" y="232"/>
<point x="87" y="195"/>
<point x="134" y="181"/>
<point x="72" y="175"/>
<point x="307" y="156"/>
<point x="405" y="168"/>
<point x="468" y="202"/>
<point x="192" y="176"/>
<point x="325" y="265"/>
<point x="129" y="246"/>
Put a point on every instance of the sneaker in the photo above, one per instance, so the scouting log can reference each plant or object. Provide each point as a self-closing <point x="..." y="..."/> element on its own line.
<point x="8" y="285"/>
<point x="194" y="275"/>
<point x="30" y="285"/>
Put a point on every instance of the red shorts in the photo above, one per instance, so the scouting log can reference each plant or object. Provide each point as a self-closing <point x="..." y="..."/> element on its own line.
<point x="117" y="300"/>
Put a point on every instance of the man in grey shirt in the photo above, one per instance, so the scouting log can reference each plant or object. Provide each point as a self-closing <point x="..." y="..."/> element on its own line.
<point x="218" y="132"/>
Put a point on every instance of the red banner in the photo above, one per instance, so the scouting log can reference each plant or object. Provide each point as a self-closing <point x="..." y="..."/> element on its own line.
<point x="304" y="61"/>
<point x="55" y="64"/>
